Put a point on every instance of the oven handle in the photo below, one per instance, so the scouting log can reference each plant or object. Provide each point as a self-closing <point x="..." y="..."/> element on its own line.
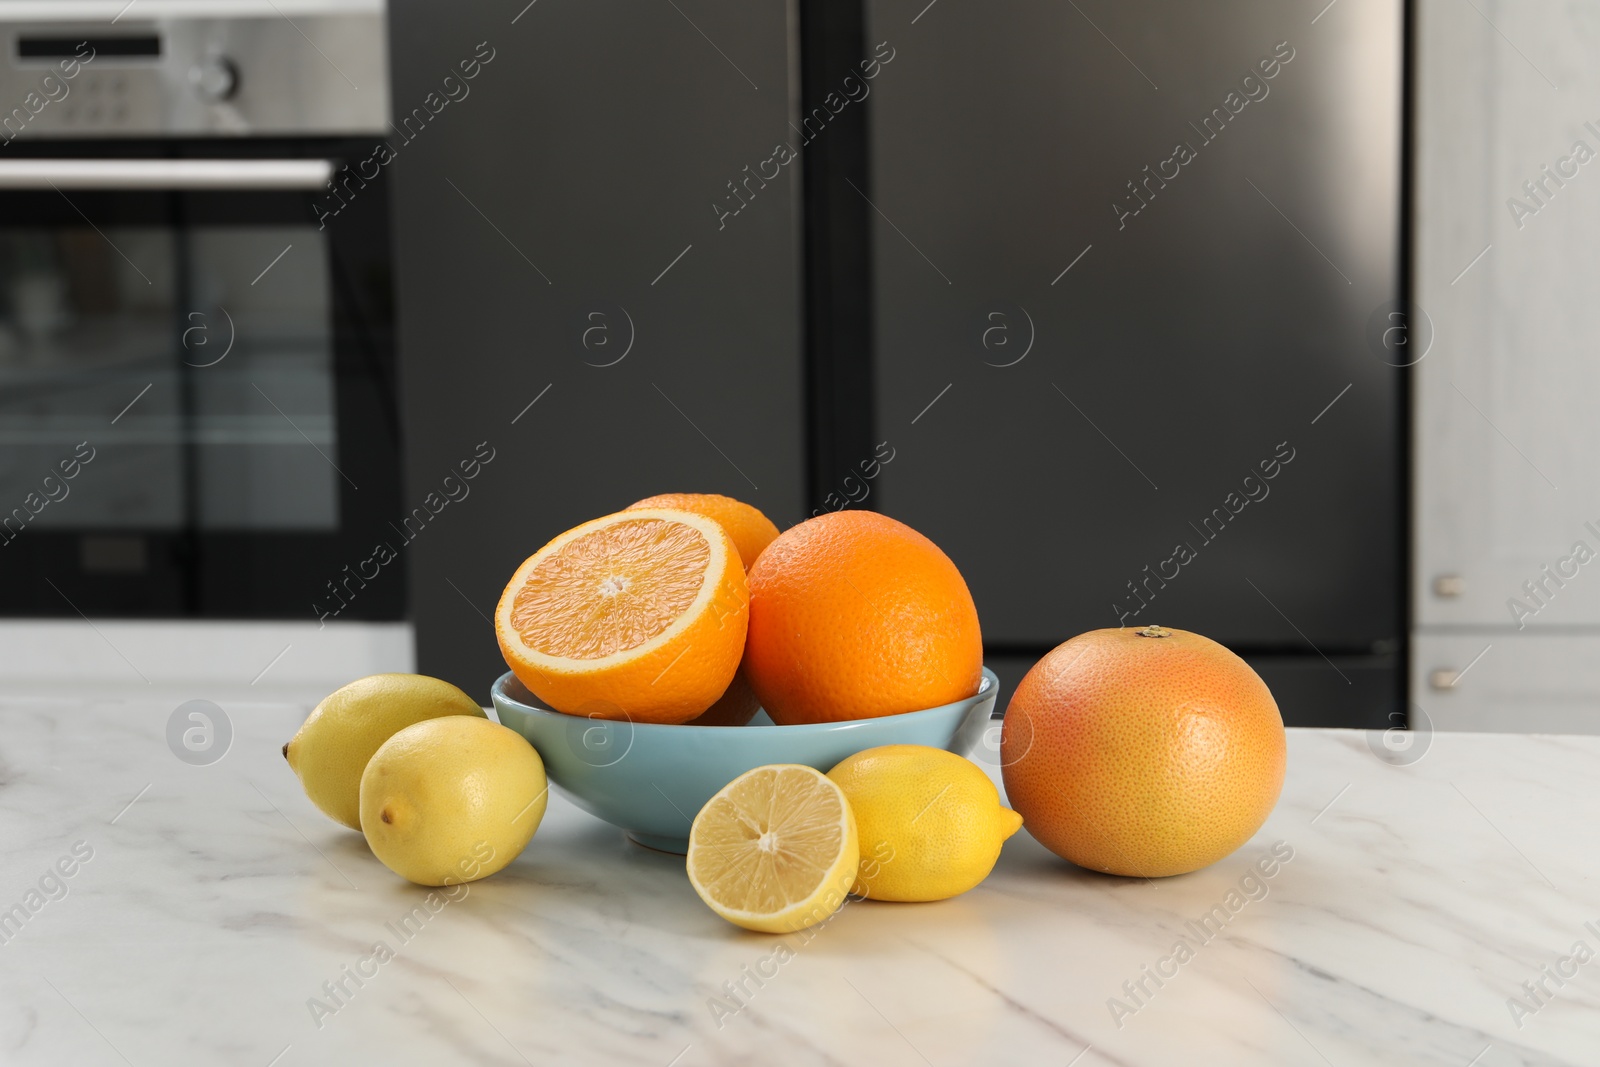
<point x="166" y="174"/>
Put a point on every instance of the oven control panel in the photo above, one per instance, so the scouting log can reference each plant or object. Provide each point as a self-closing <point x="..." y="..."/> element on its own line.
<point x="197" y="69"/>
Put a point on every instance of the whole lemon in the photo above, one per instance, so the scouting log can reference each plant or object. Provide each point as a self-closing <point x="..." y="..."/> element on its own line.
<point x="930" y="822"/>
<point x="335" y="742"/>
<point x="452" y="800"/>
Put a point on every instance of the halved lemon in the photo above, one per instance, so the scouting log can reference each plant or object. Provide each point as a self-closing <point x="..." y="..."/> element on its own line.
<point x="775" y="850"/>
<point x="639" y="615"/>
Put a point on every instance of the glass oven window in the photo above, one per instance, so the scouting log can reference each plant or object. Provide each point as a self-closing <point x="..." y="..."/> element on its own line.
<point x="197" y="361"/>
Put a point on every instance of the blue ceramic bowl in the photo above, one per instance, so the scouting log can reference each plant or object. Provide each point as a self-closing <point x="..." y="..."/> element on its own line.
<point x="652" y="780"/>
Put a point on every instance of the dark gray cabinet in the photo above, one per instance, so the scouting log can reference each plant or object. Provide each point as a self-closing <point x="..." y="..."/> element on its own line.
<point x="1097" y="292"/>
<point x="560" y="247"/>
<point x="1129" y="254"/>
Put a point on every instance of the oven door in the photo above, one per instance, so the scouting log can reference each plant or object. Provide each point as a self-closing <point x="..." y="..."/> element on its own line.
<point x="197" y="383"/>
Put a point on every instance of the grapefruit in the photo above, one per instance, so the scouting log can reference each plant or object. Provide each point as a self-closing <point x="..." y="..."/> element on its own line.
<point x="1145" y="752"/>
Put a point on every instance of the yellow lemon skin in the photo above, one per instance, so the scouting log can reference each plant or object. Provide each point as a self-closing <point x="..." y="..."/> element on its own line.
<point x="452" y="800"/>
<point x="930" y="822"/>
<point x="335" y="742"/>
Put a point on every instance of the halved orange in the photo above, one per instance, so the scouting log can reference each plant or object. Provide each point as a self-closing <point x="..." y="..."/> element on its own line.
<point x="750" y="529"/>
<point x="639" y="615"/>
<point x="735" y="707"/>
<point x="775" y="850"/>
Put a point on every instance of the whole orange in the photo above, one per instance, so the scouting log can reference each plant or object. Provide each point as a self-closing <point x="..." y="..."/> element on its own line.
<point x="854" y="615"/>
<point x="750" y="529"/>
<point x="1142" y="752"/>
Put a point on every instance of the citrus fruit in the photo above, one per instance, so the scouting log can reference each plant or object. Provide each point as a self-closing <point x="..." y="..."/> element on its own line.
<point x="854" y="615"/>
<point x="775" y="850"/>
<point x="1142" y="752"/>
<point x="751" y="532"/>
<point x="639" y="615"/>
<point x="750" y="529"/>
<point x="332" y="747"/>
<point x="452" y="800"/>
<point x="930" y="822"/>
<point x="735" y="707"/>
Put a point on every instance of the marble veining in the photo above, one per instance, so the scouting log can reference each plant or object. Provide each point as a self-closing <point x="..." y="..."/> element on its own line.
<point x="218" y="907"/>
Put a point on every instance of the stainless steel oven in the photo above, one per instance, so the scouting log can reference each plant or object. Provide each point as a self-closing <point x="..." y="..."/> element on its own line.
<point x="198" y="411"/>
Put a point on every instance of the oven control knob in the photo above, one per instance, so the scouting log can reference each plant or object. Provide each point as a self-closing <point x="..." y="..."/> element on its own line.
<point x="214" y="80"/>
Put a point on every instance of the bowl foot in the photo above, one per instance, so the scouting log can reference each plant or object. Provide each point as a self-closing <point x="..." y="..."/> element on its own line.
<point x="677" y="846"/>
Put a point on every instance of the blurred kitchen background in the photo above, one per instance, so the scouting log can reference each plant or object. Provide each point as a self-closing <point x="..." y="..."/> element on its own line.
<point x="1221" y="317"/>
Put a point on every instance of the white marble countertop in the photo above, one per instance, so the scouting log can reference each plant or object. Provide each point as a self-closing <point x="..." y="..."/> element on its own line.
<point x="216" y="902"/>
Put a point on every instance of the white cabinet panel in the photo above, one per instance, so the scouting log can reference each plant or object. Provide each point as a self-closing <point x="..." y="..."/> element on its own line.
<point x="1508" y="682"/>
<point x="1508" y="442"/>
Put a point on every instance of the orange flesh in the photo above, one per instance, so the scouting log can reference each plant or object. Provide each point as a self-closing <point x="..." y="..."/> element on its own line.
<point x="612" y="589"/>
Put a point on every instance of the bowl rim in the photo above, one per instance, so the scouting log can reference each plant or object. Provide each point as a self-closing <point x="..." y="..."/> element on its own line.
<point x="988" y="688"/>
